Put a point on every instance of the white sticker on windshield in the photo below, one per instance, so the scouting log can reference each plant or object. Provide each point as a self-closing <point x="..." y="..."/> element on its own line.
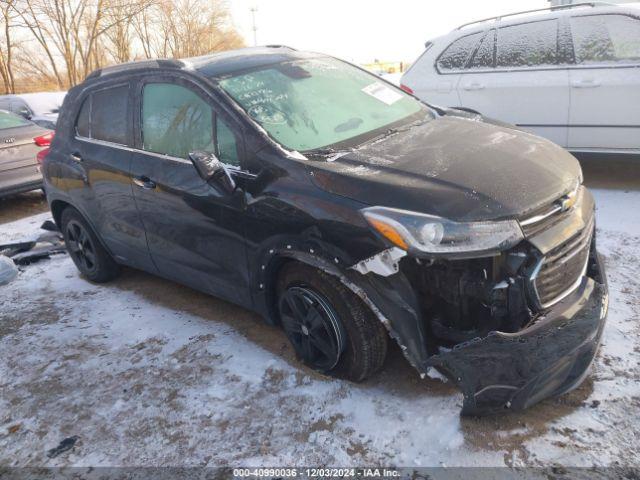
<point x="383" y="93"/>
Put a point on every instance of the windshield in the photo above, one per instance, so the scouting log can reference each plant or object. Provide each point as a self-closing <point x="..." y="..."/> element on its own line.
<point x="317" y="103"/>
<point x="9" y="120"/>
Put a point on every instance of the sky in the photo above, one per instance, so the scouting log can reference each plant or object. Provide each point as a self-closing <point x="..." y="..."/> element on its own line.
<point x="363" y="31"/>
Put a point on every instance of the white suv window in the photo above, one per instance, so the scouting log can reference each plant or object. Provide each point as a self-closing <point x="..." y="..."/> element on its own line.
<point x="457" y="54"/>
<point x="483" y="58"/>
<point x="606" y="38"/>
<point x="532" y="44"/>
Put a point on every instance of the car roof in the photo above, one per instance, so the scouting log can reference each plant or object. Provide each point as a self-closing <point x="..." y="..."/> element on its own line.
<point x="40" y="102"/>
<point x="213" y="65"/>
<point x="594" y="8"/>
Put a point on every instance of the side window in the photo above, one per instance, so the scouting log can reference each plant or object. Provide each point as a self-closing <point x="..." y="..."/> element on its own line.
<point x="457" y="54"/>
<point x="82" y="122"/>
<point x="606" y="38"/>
<point x="226" y="144"/>
<point x="175" y="121"/>
<point x="528" y="45"/>
<point x="483" y="58"/>
<point x="109" y="118"/>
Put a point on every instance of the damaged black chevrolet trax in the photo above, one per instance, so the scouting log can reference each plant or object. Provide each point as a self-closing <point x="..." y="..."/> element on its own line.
<point x="343" y="209"/>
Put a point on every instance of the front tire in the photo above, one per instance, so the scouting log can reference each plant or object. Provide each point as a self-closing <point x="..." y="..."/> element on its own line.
<point x="329" y="327"/>
<point x="84" y="248"/>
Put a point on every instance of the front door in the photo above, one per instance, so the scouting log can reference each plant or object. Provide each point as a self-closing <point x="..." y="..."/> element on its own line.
<point x="605" y="83"/>
<point x="195" y="233"/>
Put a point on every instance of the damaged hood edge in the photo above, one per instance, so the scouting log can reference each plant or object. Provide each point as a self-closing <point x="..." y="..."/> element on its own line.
<point x="454" y="167"/>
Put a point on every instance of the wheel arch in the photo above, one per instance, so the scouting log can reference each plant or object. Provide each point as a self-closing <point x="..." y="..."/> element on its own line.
<point x="392" y="299"/>
<point x="57" y="207"/>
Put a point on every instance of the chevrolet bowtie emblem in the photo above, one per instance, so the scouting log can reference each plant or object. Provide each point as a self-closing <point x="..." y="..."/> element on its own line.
<point x="568" y="201"/>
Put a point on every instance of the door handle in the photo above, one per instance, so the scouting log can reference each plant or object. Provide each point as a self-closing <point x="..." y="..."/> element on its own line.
<point x="473" y="86"/>
<point x="75" y="157"/>
<point x="585" y="83"/>
<point x="144" y="182"/>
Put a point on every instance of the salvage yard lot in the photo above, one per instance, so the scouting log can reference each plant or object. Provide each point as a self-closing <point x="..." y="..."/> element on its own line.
<point x="145" y="372"/>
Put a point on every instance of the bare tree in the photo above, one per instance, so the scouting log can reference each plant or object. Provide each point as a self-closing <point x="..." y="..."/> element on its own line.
<point x="185" y="28"/>
<point x="64" y="40"/>
<point x="7" y="17"/>
<point x="70" y="32"/>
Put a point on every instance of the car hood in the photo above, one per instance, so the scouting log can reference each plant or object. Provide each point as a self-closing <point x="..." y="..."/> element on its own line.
<point x="464" y="169"/>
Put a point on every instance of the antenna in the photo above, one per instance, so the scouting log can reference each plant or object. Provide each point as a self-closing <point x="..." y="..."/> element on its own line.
<point x="253" y="11"/>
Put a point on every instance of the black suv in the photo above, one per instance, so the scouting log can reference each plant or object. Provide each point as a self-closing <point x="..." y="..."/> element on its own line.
<point x="343" y="209"/>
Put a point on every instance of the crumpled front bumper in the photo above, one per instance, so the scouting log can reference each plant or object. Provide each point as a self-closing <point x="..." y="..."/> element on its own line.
<point x="550" y="357"/>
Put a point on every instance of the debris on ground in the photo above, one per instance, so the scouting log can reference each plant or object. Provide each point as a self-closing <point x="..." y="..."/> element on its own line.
<point x="64" y="446"/>
<point x="25" y="252"/>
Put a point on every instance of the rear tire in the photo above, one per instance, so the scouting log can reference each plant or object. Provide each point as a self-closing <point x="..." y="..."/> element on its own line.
<point x="85" y="249"/>
<point x="356" y="341"/>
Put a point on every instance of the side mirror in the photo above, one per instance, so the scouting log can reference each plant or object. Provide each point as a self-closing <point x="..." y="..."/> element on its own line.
<point x="212" y="171"/>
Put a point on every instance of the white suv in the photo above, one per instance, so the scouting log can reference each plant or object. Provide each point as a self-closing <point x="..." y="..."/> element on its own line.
<point x="571" y="75"/>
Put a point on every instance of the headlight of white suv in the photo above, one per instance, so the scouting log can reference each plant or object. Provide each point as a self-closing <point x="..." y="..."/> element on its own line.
<point x="419" y="232"/>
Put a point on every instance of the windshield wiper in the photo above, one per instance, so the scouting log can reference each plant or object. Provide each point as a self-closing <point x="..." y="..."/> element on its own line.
<point x="321" y="151"/>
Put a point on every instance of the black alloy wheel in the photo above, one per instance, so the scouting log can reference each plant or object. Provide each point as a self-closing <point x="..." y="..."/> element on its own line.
<point x="313" y="327"/>
<point x="81" y="247"/>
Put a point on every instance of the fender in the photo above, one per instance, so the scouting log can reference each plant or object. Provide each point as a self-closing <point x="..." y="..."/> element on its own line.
<point x="391" y="299"/>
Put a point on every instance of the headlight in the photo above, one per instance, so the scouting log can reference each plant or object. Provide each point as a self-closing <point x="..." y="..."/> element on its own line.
<point x="430" y="234"/>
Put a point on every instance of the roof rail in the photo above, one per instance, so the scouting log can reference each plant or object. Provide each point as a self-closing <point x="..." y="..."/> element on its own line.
<point x="558" y="7"/>
<point x="280" y="46"/>
<point x="137" y="65"/>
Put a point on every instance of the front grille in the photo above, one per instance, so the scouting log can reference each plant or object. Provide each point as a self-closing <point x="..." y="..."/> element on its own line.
<point x="548" y="217"/>
<point x="560" y="271"/>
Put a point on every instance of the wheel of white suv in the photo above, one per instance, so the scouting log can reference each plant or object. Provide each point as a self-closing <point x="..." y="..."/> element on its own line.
<point x="329" y="327"/>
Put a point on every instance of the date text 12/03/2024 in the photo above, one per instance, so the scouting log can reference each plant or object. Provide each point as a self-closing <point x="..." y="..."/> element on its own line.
<point x="316" y="472"/>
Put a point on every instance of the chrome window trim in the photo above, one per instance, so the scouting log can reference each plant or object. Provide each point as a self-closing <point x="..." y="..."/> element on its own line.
<point x="235" y="169"/>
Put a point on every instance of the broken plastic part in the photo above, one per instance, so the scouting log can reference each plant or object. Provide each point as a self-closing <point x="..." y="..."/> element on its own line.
<point x="384" y="263"/>
<point x="548" y="358"/>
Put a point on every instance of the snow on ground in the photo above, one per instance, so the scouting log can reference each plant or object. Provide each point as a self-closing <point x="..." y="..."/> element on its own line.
<point x="147" y="372"/>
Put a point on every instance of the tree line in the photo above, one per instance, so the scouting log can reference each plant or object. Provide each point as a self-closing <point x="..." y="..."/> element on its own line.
<point x="55" y="44"/>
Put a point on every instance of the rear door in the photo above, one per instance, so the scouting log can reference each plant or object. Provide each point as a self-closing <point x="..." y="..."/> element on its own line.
<point x="100" y="184"/>
<point x="605" y="82"/>
<point x="525" y="82"/>
<point x="195" y="233"/>
<point x="18" y="152"/>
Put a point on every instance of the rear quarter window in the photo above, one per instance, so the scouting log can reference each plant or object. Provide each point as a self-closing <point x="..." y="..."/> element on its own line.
<point x="457" y="54"/>
<point x="483" y="58"/>
<point x="82" y="123"/>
